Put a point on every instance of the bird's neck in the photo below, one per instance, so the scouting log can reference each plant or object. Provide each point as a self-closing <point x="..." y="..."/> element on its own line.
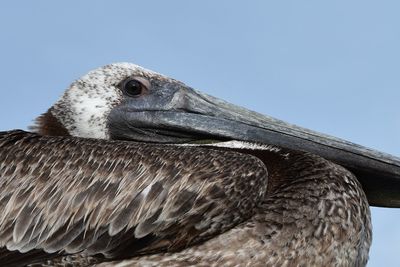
<point x="314" y="212"/>
<point x="316" y="207"/>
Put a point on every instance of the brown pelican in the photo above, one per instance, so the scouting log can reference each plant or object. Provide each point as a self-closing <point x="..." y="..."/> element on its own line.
<point x="132" y="168"/>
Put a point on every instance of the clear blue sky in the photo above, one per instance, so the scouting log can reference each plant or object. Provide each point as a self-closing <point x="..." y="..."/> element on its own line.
<point x="332" y="67"/>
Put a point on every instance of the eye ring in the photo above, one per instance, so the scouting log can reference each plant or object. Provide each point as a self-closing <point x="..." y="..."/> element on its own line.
<point x="135" y="86"/>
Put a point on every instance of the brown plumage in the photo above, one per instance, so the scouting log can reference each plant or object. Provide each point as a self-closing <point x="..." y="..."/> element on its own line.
<point x="117" y="198"/>
<point x="107" y="200"/>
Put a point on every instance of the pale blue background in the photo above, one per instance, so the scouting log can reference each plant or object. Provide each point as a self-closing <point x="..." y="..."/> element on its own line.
<point x="332" y="67"/>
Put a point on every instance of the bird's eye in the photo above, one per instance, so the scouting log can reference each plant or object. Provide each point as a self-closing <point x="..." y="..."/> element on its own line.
<point x="133" y="88"/>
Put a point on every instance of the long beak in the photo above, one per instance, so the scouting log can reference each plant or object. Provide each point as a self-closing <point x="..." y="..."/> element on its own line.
<point x="192" y="114"/>
<point x="378" y="172"/>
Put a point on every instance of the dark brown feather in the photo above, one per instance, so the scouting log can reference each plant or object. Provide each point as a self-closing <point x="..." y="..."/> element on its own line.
<point x="47" y="124"/>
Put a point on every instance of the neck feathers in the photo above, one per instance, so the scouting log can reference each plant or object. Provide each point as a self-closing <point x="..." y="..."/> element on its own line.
<point x="48" y="124"/>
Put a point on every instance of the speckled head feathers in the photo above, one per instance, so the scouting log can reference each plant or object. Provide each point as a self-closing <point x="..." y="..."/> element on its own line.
<point x="85" y="105"/>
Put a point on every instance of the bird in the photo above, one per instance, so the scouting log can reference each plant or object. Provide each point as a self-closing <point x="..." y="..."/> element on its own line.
<point x="133" y="168"/>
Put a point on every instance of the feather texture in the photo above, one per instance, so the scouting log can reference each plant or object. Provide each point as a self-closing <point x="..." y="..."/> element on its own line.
<point x="69" y="195"/>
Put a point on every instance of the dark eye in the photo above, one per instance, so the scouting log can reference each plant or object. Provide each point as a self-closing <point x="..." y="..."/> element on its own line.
<point x="133" y="88"/>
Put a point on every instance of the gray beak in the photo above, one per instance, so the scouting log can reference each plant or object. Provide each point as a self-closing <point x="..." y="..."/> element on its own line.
<point x="192" y="115"/>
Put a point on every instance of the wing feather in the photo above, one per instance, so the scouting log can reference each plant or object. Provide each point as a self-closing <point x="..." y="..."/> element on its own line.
<point x="70" y="195"/>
